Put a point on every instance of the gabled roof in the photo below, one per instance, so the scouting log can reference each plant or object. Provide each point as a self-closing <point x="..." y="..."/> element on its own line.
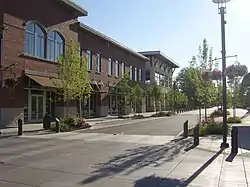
<point x="78" y="9"/>
<point x="161" y="56"/>
<point x="114" y="42"/>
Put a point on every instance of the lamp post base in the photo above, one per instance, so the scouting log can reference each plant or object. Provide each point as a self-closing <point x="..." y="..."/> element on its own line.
<point x="224" y="145"/>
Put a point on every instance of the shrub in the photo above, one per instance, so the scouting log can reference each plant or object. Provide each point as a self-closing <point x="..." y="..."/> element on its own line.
<point x="71" y="123"/>
<point x="234" y="120"/>
<point x="218" y="113"/>
<point x="138" y="116"/>
<point x="209" y="129"/>
<point x="162" y="114"/>
<point x="63" y="127"/>
<point x="69" y="120"/>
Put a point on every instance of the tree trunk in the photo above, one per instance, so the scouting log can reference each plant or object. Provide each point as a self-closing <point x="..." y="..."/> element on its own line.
<point x="234" y="111"/>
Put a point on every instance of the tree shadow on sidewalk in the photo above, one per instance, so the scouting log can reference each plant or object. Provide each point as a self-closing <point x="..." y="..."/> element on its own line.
<point x="156" y="181"/>
<point x="134" y="159"/>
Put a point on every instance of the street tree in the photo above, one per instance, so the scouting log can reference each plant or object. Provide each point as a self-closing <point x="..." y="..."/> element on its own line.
<point x="73" y="76"/>
<point x="235" y="73"/>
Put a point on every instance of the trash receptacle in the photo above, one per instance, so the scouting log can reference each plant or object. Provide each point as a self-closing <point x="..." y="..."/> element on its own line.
<point x="46" y="121"/>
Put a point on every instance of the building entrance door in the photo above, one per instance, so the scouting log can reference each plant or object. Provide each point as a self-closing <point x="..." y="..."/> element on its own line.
<point x="37" y="108"/>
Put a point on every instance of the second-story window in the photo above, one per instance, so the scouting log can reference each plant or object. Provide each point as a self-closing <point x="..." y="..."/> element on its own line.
<point x="135" y="74"/>
<point x="89" y="60"/>
<point x="34" y="40"/>
<point x="55" y="46"/>
<point x="140" y="75"/>
<point x="123" y="70"/>
<point x="131" y="72"/>
<point x="110" y="67"/>
<point x="98" y="63"/>
<point x="116" y="68"/>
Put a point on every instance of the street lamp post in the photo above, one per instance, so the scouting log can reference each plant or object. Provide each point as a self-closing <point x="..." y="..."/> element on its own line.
<point x="222" y="12"/>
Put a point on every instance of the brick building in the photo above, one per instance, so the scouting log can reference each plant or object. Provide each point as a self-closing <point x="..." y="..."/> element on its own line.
<point x="31" y="41"/>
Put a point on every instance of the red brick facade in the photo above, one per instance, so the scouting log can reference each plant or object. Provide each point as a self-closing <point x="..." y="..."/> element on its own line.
<point x="59" y="16"/>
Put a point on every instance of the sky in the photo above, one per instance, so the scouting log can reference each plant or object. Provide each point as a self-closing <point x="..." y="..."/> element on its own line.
<point x="175" y="27"/>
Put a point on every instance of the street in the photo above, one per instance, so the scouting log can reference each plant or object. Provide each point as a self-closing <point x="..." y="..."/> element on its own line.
<point x="171" y="126"/>
<point x="142" y="154"/>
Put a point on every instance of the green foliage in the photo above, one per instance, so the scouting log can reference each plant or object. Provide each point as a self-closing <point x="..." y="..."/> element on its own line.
<point x="179" y="97"/>
<point x="125" y="89"/>
<point x="71" y="123"/>
<point x="63" y="127"/>
<point x="73" y="75"/>
<point x="198" y="89"/>
<point x="233" y="120"/>
<point x="234" y="74"/>
<point x="218" y="113"/>
<point x="209" y="129"/>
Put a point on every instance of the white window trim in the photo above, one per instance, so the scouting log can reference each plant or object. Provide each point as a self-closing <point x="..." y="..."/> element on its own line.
<point x="135" y="70"/>
<point x="123" y="70"/>
<point x="110" y="66"/>
<point x="131" y="72"/>
<point x="98" y="63"/>
<point x="140" y="75"/>
<point x="116" y="68"/>
<point x="89" y="59"/>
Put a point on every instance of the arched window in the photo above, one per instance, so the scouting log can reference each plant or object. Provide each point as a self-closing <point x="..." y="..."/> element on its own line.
<point x="55" y="46"/>
<point x="34" y="40"/>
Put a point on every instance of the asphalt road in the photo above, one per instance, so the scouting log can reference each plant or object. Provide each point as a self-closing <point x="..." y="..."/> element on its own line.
<point x="171" y="126"/>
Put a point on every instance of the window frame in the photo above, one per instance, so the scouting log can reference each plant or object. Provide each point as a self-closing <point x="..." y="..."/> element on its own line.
<point x="55" y="46"/>
<point x="135" y="74"/>
<point x="131" y="72"/>
<point x="89" y="59"/>
<point x="98" y="63"/>
<point x="140" y="75"/>
<point x="110" y="66"/>
<point x="116" y="68"/>
<point x="123" y="69"/>
<point x="35" y="37"/>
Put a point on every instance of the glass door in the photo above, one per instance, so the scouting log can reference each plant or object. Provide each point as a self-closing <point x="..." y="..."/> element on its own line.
<point x="37" y="108"/>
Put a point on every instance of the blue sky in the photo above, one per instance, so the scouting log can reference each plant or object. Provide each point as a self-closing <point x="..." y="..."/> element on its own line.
<point x="176" y="27"/>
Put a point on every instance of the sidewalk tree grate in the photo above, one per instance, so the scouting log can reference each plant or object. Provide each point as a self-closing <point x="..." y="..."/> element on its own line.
<point x="102" y="166"/>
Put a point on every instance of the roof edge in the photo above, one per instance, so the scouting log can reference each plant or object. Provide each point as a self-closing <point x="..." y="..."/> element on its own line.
<point x="161" y="54"/>
<point x="109" y="39"/>
<point x="76" y="7"/>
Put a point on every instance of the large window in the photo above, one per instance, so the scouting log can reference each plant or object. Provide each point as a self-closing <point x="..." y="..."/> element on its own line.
<point x="157" y="78"/>
<point x="123" y="70"/>
<point x="131" y="72"/>
<point x="34" y="40"/>
<point x="89" y="60"/>
<point x="135" y="74"/>
<point x="110" y="67"/>
<point x="55" y="46"/>
<point x="98" y="63"/>
<point x="116" y="68"/>
<point x="140" y="75"/>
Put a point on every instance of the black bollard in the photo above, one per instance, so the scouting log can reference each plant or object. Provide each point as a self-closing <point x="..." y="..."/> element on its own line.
<point x="20" y="127"/>
<point x="185" y="129"/>
<point x="57" y="125"/>
<point x="234" y="140"/>
<point x="196" y="135"/>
